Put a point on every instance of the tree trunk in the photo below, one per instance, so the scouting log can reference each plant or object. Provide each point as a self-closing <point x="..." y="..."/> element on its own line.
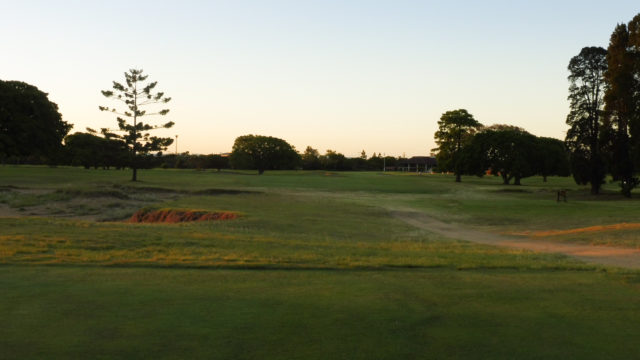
<point x="458" y="178"/>
<point x="135" y="174"/>
<point x="505" y="179"/>
<point x="544" y="178"/>
<point x="517" y="181"/>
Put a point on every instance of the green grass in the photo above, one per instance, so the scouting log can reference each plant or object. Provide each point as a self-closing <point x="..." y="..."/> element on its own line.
<point x="315" y="268"/>
<point x="202" y="314"/>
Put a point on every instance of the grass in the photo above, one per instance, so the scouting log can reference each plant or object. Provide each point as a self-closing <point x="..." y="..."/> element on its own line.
<point x="202" y="314"/>
<point x="315" y="268"/>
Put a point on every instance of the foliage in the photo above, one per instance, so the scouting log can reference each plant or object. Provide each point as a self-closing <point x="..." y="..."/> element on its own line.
<point x="136" y="96"/>
<point x="333" y="160"/>
<point x="263" y="153"/>
<point x="455" y="129"/>
<point x="585" y="118"/>
<point x="622" y="103"/>
<point x="552" y="158"/>
<point x="30" y="124"/>
<point x="89" y="150"/>
<point x="509" y="153"/>
<point x="311" y="159"/>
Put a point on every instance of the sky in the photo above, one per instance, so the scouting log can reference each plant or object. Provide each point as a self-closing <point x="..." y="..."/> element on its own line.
<point x="340" y="75"/>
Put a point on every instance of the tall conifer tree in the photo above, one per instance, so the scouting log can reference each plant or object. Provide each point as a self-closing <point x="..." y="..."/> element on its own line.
<point x="586" y="90"/>
<point x="137" y="95"/>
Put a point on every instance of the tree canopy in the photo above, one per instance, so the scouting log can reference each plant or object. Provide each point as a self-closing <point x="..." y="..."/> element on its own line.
<point x="509" y="153"/>
<point x="30" y="124"/>
<point x="455" y="130"/>
<point x="263" y="153"/>
<point x="89" y="150"/>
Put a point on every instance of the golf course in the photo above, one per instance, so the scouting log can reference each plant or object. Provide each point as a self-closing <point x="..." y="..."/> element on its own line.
<point x="313" y="265"/>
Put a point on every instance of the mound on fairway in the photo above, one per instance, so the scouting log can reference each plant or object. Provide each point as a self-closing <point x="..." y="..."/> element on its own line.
<point x="173" y="216"/>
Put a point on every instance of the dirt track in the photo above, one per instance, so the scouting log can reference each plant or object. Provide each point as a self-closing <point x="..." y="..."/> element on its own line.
<point x="610" y="256"/>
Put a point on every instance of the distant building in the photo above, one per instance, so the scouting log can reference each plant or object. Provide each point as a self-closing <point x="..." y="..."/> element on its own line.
<point x="417" y="164"/>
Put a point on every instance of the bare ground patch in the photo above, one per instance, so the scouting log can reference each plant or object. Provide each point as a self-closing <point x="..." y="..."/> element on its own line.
<point x="172" y="216"/>
<point x="590" y="229"/>
<point x="618" y="257"/>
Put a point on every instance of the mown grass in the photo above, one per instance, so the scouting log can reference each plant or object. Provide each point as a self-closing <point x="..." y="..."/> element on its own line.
<point x="406" y="314"/>
<point x="315" y="268"/>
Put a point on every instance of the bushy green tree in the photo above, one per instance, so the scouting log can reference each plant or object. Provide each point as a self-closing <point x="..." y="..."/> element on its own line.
<point x="509" y="153"/>
<point x="333" y="160"/>
<point x="263" y="153"/>
<point x="89" y="150"/>
<point x="136" y="95"/>
<point x="311" y="159"/>
<point x="455" y="130"/>
<point x="30" y="124"/>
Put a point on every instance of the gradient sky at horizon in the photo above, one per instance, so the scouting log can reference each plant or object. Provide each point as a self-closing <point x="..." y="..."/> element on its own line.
<point x="341" y="75"/>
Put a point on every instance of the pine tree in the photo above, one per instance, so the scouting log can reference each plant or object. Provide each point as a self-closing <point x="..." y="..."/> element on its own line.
<point x="136" y="95"/>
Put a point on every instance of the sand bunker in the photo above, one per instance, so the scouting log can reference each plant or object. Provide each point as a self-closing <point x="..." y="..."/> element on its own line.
<point x="172" y="216"/>
<point x="621" y="226"/>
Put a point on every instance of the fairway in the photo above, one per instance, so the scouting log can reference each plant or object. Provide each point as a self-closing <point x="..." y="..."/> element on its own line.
<point x="313" y="265"/>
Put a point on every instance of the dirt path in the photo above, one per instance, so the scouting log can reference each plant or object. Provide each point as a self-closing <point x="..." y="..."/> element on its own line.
<point x="618" y="257"/>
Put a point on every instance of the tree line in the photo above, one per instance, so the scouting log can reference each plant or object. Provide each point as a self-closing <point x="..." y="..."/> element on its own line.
<point x="466" y="147"/>
<point x="262" y="153"/>
<point x="604" y="117"/>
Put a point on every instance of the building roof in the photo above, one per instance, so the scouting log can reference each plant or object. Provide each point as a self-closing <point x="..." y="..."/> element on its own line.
<point x="419" y="160"/>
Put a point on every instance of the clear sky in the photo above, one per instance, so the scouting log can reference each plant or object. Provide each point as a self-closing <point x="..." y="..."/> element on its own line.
<point x="342" y="75"/>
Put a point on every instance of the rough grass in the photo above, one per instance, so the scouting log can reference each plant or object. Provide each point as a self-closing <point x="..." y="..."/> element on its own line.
<point x="314" y="269"/>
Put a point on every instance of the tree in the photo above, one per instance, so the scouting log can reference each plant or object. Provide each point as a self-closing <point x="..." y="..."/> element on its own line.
<point x="89" y="150"/>
<point x="455" y="130"/>
<point x="622" y="103"/>
<point x="551" y="158"/>
<point x="30" y="124"/>
<point x="263" y="153"/>
<point x="136" y="95"/>
<point x="586" y="90"/>
<point x="509" y="153"/>
<point x="311" y="159"/>
<point x="333" y="160"/>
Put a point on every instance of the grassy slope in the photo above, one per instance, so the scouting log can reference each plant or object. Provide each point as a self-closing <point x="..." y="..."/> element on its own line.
<point x="506" y="304"/>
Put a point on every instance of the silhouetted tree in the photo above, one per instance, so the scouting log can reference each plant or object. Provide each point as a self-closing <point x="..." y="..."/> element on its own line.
<point x="311" y="159"/>
<point x="455" y="129"/>
<point x="333" y="160"/>
<point x="263" y="153"/>
<point x="89" y="150"/>
<point x="137" y="95"/>
<point x="586" y="90"/>
<point x="509" y="153"/>
<point x="551" y="158"/>
<point x="622" y="103"/>
<point x="30" y="124"/>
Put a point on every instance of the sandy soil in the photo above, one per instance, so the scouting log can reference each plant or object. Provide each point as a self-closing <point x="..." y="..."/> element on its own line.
<point x="610" y="256"/>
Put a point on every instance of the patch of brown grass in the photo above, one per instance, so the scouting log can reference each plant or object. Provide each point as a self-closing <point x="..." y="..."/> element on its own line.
<point x="172" y="216"/>
<point x="598" y="228"/>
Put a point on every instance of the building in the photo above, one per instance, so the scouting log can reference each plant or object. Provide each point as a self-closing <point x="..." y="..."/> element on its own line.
<point x="417" y="164"/>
